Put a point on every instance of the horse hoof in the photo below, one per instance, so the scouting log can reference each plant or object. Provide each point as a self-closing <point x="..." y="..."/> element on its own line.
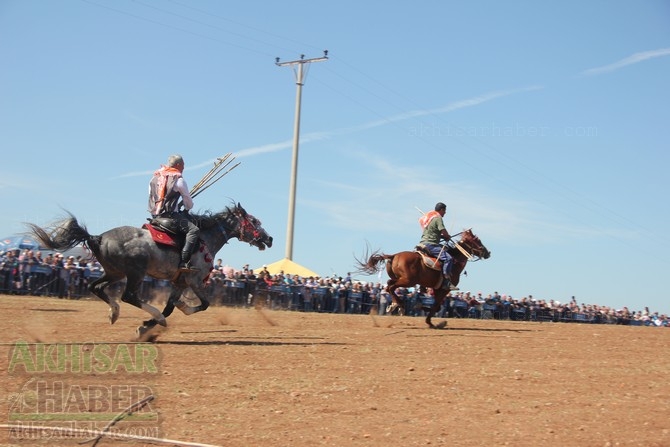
<point x="113" y="315"/>
<point x="441" y="325"/>
<point x="148" y="333"/>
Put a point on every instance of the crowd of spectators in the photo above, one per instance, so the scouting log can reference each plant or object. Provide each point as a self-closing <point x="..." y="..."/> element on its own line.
<point x="345" y="295"/>
<point x="26" y="272"/>
<point x="529" y="308"/>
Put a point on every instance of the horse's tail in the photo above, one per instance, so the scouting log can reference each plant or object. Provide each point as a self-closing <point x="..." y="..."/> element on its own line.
<point x="65" y="235"/>
<point x="372" y="265"/>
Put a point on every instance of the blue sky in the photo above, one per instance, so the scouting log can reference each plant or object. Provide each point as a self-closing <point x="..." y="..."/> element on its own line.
<point x="543" y="126"/>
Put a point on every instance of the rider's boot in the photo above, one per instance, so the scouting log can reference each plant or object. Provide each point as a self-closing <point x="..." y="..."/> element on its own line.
<point x="186" y="253"/>
<point x="446" y="282"/>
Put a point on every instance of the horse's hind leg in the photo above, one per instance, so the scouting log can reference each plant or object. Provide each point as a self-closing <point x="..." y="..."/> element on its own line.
<point x="130" y="296"/>
<point x="97" y="288"/>
<point x="169" y="306"/>
<point x="201" y="294"/>
<point x="440" y="295"/>
<point x="147" y="332"/>
<point x="396" y="307"/>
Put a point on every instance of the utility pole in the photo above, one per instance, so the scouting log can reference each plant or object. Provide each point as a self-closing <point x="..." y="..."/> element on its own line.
<point x="299" y="80"/>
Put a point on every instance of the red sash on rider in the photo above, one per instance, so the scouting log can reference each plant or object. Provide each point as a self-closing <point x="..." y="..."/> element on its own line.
<point x="426" y="218"/>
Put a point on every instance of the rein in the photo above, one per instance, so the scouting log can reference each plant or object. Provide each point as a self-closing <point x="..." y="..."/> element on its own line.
<point x="465" y="253"/>
<point x="223" y="232"/>
<point x="469" y="256"/>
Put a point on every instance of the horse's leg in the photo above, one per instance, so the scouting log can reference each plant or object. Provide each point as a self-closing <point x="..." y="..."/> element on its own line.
<point x="175" y="294"/>
<point x="395" y="306"/>
<point x="148" y="330"/>
<point x="200" y="292"/>
<point x="97" y="288"/>
<point x="439" y="299"/>
<point x="133" y="282"/>
<point x="392" y="287"/>
<point x="169" y="306"/>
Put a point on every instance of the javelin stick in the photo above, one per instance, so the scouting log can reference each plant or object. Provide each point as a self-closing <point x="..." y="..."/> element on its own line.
<point x="226" y="172"/>
<point x="211" y="180"/>
<point x="203" y="179"/>
<point x="214" y="181"/>
<point x="208" y="175"/>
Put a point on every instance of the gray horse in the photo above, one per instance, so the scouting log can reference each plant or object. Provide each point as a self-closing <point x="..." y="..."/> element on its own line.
<point x="131" y="253"/>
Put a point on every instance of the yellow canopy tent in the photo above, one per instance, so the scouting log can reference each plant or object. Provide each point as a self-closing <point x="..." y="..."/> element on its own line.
<point x="289" y="268"/>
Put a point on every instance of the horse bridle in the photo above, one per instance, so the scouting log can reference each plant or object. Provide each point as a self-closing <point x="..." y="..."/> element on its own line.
<point x="463" y="248"/>
<point x="245" y="225"/>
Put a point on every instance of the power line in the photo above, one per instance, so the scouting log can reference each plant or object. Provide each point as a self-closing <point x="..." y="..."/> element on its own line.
<point x="176" y="28"/>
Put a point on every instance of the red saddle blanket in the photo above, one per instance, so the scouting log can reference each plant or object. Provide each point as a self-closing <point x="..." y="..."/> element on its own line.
<point x="161" y="237"/>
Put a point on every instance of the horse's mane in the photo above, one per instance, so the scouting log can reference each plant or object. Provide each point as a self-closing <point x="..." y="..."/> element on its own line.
<point x="209" y="219"/>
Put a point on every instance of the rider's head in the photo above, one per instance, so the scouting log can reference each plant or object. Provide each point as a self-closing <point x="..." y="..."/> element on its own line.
<point x="441" y="208"/>
<point x="175" y="161"/>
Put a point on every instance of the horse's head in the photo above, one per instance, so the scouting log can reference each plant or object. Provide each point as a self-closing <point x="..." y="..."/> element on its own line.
<point x="471" y="243"/>
<point x="251" y="230"/>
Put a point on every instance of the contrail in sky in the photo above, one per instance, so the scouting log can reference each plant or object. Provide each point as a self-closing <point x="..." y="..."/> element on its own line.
<point x="316" y="136"/>
<point x="630" y="60"/>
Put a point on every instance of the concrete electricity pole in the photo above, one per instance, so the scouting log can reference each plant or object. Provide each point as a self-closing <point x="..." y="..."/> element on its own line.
<point x="299" y="80"/>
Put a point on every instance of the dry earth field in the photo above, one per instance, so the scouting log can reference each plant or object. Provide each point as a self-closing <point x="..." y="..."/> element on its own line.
<point x="253" y="377"/>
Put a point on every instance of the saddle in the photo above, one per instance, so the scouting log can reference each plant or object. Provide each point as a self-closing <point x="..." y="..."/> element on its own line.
<point x="164" y="231"/>
<point x="432" y="263"/>
<point x="428" y="260"/>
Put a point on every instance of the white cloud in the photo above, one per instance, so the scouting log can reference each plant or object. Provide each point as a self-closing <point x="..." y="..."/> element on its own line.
<point x="630" y="60"/>
<point x="317" y="136"/>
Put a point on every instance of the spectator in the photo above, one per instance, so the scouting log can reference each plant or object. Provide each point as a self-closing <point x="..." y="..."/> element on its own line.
<point x="10" y="267"/>
<point x="68" y="276"/>
<point x="384" y="301"/>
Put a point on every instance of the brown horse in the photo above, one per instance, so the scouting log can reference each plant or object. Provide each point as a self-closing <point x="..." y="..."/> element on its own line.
<point x="408" y="268"/>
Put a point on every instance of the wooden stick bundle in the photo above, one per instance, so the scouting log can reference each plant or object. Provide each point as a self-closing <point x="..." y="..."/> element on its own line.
<point x="211" y="177"/>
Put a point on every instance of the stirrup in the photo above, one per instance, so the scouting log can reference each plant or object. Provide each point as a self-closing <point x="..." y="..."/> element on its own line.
<point x="446" y="285"/>
<point x="186" y="267"/>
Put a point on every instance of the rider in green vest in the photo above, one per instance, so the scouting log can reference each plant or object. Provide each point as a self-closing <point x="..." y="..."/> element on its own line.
<point x="433" y="232"/>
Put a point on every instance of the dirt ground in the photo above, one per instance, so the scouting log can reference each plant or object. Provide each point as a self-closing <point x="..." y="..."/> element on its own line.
<point x="246" y="377"/>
